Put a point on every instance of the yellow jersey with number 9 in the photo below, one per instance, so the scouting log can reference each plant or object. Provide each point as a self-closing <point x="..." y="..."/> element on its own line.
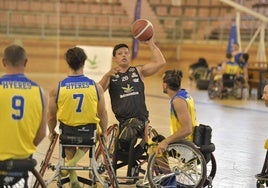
<point x="77" y="101"/>
<point x="21" y="109"/>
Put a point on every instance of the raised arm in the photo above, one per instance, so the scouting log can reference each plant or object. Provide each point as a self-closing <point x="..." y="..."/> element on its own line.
<point x="158" y="60"/>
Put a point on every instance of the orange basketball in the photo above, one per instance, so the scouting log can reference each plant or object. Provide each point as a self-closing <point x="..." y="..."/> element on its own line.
<point x="142" y="29"/>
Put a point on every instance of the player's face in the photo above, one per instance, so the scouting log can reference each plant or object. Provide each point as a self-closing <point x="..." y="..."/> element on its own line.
<point x="265" y="95"/>
<point x="122" y="56"/>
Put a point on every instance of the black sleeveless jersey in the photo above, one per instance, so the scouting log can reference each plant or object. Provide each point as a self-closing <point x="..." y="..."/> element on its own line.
<point x="127" y="96"/>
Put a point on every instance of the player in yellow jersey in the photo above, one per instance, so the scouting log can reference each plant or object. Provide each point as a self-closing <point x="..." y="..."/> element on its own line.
<point x="22" y="108"/>
<point x="76" y="103"/>
<point x="182" y="110"/>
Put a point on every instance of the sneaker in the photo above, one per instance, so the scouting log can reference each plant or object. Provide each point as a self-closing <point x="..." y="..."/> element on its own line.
<point x="75" y="184"/>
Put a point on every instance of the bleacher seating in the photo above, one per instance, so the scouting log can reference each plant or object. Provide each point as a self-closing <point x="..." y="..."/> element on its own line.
<point x="70" y="17"/>
<point x="110" y="18"/>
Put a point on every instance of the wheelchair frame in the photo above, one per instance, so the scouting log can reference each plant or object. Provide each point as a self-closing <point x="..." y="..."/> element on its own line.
<point x="208" y="167"/>
<point x="182" y="160"/>
<point x="15" y="173"/>
<point x="95" y="170"/>
<point x="218" y="89"/>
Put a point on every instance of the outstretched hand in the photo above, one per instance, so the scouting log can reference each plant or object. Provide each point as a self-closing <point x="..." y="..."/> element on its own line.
<point x="161" y="147"/>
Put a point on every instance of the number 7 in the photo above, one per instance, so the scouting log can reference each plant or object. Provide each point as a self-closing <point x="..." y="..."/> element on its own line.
<point x="80" y="101"/>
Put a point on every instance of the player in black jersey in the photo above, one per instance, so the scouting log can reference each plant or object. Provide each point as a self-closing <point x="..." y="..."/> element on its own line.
<point x="126" y="88"/>
<point x="125" y="82"/>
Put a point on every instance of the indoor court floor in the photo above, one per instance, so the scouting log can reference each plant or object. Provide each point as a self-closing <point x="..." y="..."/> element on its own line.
<point x="239" y="129"/>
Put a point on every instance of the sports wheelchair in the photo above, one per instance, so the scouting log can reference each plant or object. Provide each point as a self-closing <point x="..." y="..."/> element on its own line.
<point x="19" y="173"/>
<point x="131" y="161"/>
<point x="184" y="164"/>
<point x="98" y="173"/>
<point x="225" y="86"/>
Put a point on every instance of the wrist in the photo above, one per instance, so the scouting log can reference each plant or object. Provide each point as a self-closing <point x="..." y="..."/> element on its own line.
<point x="153" y="47"/>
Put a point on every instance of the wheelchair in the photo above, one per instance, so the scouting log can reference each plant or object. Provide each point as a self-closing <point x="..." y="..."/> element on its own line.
<point x="184" y="164"/>
<point x="228" y="85"/>
<point x="131" y="163"/>
<point x="19" y="173"/>
<point x="201" y="77"/>
<point x="96" y="174"/>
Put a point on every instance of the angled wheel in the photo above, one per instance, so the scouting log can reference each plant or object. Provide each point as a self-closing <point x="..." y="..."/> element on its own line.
<point x="104" y="154"/>
<point x="214" y="89"/>
<point x="238" y="89"/>
<point x="211" y="171"/>
<point x="182" y="163"/>
<point x="46" y="164"/>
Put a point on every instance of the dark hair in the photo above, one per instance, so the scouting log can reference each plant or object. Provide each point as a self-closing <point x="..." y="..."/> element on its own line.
<point x="14" y="55"/>
<point x="116" y="47"/>
<point x="245" y="56"/>
<point x="75" y="58"/>
<point x="173" y="79"/>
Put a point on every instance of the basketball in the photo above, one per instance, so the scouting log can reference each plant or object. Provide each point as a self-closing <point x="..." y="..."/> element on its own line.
<point x="142" y="29"/>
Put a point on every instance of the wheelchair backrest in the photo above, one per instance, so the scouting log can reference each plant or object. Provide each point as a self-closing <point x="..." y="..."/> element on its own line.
<point x="202" y="138"/>
<point x="228" y="80"/>
<point x="79" y="135"/>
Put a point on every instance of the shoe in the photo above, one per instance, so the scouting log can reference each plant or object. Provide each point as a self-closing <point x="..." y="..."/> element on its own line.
<point x="75" y="184"/>
<point x="64" y="173"/>
<point x="262" y="176"/>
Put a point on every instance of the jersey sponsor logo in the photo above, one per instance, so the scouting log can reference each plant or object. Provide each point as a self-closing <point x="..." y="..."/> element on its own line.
<point x="136" y="80"/>
<point x="134" y="75"/>
<point x="132" y="69"/>
<point x="129" y="91"/>
<point x="115" y="78"/>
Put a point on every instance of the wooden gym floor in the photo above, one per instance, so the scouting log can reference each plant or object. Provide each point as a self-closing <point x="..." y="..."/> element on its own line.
<point x="239" y="129"/>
